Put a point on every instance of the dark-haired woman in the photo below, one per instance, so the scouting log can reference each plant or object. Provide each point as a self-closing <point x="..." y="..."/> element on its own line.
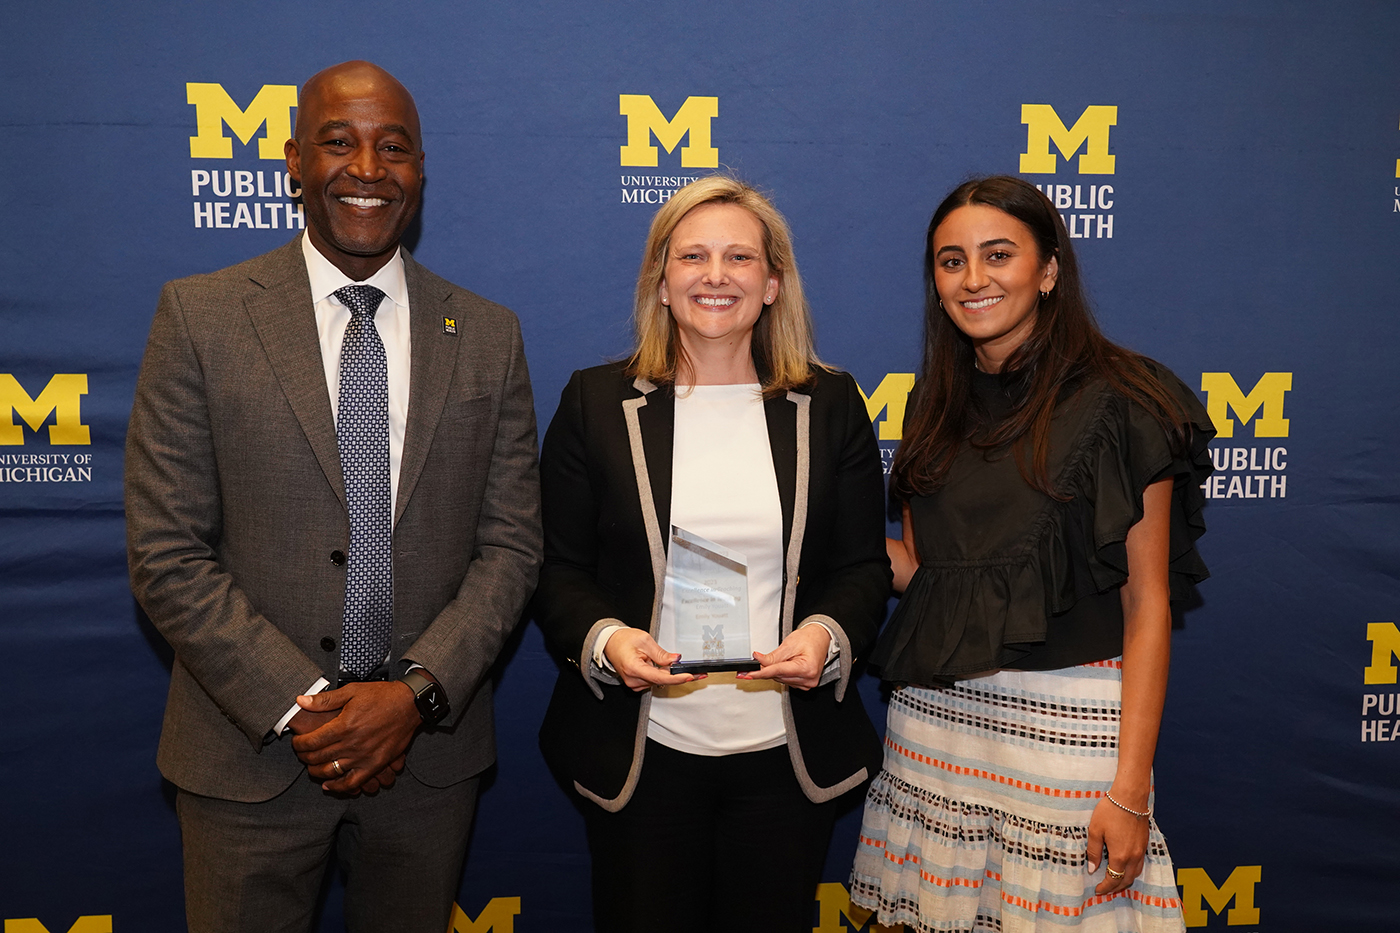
<point x="1049" y="483"/>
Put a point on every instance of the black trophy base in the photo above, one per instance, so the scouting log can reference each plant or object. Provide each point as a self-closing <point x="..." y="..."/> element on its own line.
<point x="714" y="667"/>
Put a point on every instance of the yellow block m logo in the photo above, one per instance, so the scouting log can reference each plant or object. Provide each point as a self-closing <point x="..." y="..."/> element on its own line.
<point x="1385" y="644"/>
<point x="891" y="396"/>
<point x="496" y="917"/>
<point x="644" y="118"/>
<point x="1196" y="886"/>
<point x="63" y="395"/>
<point x="1223" y="393"/>
<point x="1043" y="124"/>
<point x="833" y="903"/>
<point x="213" y="108"/>
<point x="90" y="924"/>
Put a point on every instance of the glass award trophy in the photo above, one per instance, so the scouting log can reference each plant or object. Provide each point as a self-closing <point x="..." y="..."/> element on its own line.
<point x="710" y="588"/>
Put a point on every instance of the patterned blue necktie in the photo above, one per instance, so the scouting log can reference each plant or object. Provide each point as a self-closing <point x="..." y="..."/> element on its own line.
<point x="362" y="433"/>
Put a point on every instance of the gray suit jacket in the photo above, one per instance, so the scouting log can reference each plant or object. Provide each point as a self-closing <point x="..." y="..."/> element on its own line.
<point x="235" y="503"/>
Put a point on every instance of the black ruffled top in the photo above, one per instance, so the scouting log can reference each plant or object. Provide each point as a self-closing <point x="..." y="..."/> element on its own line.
<point x="1011" y="577"/>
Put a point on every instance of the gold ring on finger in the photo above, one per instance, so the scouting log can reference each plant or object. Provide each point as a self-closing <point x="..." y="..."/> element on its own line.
<point x="340" y="772"/>
<point x="1115" y="875"/>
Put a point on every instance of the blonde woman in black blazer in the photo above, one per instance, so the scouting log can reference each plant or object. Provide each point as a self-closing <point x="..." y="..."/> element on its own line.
<point x="696" y="841"/>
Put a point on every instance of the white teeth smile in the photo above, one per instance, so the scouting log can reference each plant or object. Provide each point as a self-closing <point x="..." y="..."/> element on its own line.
<point x="981" y="303"/>
<point x="716" y="302"/>
<point x="363" y="202"/>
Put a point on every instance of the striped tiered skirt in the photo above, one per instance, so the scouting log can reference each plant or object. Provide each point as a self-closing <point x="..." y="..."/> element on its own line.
<point x="980" y="818"/>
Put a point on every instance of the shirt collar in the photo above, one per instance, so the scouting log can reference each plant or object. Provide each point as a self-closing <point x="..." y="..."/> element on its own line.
<point x="326" y="278"/>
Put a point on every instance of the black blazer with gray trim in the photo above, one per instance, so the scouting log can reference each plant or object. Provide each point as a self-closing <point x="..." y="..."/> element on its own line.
<point x="606" y="484"/>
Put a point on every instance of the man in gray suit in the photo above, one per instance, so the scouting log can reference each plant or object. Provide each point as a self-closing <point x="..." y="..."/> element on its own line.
<point x="333" y="518"/>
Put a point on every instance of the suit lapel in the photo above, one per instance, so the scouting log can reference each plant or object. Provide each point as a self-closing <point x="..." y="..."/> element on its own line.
<point x="432" y="362"/>
<point x="650" y="417"/>
<point x="789" y="439"/>
<point x="657" y="420"/>
<point x="285" y="321"/>
<point x="781" y="415"/>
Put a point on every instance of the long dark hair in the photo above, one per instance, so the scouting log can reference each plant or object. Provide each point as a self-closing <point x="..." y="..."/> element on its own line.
<point x="1065" y="347"/>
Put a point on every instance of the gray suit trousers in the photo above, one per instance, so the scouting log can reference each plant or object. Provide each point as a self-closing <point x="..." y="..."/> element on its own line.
<point x="258" y="868"/>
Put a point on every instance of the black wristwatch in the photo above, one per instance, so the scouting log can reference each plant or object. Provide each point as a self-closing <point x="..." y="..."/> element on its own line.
<point x="428" y="696"/>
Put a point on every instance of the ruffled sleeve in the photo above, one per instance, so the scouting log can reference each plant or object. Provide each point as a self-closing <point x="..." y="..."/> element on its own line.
<point x="968" y="610"/>
<point x="1123" y="454"/>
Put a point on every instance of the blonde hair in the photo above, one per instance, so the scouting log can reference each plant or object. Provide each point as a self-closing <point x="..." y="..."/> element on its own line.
<point x="783" y="349"/>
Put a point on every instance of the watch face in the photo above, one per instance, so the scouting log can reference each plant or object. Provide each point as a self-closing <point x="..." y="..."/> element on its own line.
<point x="430" y="703"/>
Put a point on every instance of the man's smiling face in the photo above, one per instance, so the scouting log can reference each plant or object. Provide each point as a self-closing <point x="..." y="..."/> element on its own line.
<point x="357" y="154"/>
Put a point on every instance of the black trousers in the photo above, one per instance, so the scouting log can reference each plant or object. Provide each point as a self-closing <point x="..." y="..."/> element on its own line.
<point x="709" y="843"/>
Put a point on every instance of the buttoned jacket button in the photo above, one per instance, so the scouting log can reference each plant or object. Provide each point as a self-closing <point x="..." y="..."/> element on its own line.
<point x="328" y="643"/>
<point x="338" y="558"/>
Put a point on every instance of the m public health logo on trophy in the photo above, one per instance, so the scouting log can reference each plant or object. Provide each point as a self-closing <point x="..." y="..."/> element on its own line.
<point x="645" y="121"/>
<point x="1082" y="206"/>
<point x="713" y="646"/>
<point x="62" y="397"/>
<point x="709" y="587"/>
<point x="259" y="197"/>
<point x="1257" y="471"/>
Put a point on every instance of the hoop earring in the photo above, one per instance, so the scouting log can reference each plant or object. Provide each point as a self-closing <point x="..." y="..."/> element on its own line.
<point x="1044" y="295"/>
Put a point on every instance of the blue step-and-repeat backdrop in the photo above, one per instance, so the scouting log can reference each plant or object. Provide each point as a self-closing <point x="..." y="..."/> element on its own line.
<point x="1231" y="174"/>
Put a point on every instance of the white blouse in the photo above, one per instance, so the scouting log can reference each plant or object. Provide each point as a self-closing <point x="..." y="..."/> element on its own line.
<point x="723" y="488"/>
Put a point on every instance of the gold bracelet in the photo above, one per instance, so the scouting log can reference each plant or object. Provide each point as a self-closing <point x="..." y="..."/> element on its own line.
<point x="1137" y="813"/>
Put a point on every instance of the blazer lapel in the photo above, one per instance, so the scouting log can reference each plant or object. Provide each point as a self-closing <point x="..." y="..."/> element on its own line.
<point x="285" y="321"/>
<point x="789" y="439"/>
<point x="432" y="362"/>
<point x="657" y="419"/>
<point x="651" y="419"/>
<point x="781" y="415"/>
